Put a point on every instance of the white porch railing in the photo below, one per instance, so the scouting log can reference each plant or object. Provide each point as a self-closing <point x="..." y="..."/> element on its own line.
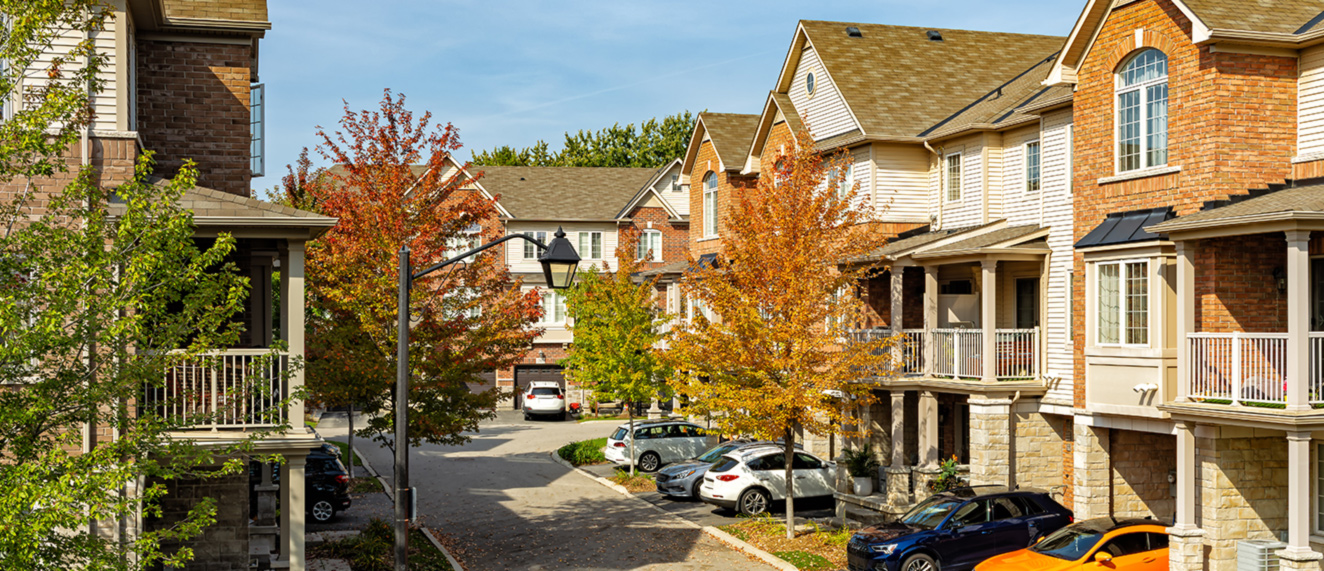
<point x="958" y="353"/>
<point x="234" y="388"/>
<point x="1316" y="387"/>
<point x="1243" y="367"/>
<point x="907" y="348"/>
<point x="1018" y="353"/>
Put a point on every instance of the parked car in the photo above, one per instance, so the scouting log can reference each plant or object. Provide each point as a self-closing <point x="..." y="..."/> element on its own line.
<point x="1101" y="543"/>
<point x="326" y="484"/>
<point x="544" y="398"/>
<point x="683" y="480"/>
<point x="954" y="531"/>
<point x="656" y="443"/>
<point x="749" y="479"/>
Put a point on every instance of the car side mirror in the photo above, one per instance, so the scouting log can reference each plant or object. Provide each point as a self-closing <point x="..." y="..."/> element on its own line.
<point x="1102" y="558"/>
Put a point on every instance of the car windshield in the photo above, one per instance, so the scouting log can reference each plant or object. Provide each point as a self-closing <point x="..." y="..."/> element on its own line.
<point x="715" y="453"/>
<point x="1070" y="543"/>
<point x="931" y="513"/>
<point x="546" y="392"/>
<point x="619" y="434"/>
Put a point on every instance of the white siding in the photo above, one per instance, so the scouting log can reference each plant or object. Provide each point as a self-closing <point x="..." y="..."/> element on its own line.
<point x="900" y="182"/>
<point x="680" y="201"/>
<point x="992" y="181"/>
<point x="825" y="113"/>
<point x="515" y="248"/>
<point x="969" y="211"/>
<point x="1057" y="213"/>
<point x="1310" y="128"/>
<point x="862" y="173"/>
<point x="104" y="103"/>
<point x="1019" y="207"/>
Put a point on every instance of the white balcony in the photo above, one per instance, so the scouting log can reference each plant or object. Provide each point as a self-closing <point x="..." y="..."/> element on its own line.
<point x="958" y="353"/>
<point x="1249" y="369"/>
<point x="233" y="389"/>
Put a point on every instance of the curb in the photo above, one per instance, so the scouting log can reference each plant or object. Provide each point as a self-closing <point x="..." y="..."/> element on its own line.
<point x="373" y="472"/>
<point x="717" y="534"/>
<point x="432" y="538"/>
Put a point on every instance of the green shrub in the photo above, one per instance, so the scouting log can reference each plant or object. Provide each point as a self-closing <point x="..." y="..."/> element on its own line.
<point x="861" y="463"/>
<point x="583" y="452"/>
<point x="947" y="477"/>
<point x="374" y="550"/>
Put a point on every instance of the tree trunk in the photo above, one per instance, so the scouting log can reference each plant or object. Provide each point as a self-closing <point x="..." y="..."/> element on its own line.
<point x="632" y="458"/>
<point x="351" y="442"/>
<point x="790" y="483"/>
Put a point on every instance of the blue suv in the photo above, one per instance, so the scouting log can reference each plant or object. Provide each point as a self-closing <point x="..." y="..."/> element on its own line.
<point x="954" y="531"/>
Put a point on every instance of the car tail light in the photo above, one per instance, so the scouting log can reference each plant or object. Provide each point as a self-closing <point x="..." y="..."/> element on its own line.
<point x="727" y="477"/>
<point x="529" y="397"/>
<point x="619" y="445"/>
<point x="1071" y="519"/>
<point x="342" y="479"/>
<point x="562" y="397"/>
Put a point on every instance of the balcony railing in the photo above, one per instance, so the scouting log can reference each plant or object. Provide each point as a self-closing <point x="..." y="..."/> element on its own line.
<point x="232" y="389"/>
<point x="958" y="353"/>
<point x="1236" y="368"/>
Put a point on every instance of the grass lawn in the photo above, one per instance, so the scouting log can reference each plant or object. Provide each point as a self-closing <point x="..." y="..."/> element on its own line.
<point x="345" y="453"/>
<point x="373" y="551"/>
<point x="812" y="551"/>
<point x="640" y="482"/>
<point x="584" y="452"/>
<point x="364" y="485"/>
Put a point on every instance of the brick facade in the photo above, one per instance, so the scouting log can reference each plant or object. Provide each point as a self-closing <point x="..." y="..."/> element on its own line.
<point x="223" y="546"/>
<point x="186" y="89"/>
<point x="705" y="162"/>
<point x="675" y="233"/>
<point x="1235" y="289"/>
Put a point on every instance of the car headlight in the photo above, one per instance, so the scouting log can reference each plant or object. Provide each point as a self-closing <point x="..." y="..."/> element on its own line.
<point x="885" y="549"/>
<point x="684" y="474"/>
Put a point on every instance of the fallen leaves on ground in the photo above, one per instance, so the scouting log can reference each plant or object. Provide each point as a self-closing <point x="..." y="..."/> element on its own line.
<point x="810" y="550"/>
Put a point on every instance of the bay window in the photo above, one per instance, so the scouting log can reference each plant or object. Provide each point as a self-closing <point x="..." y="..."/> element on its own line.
<point x="1142" y="112"/>
<point x="1123" y="303"/>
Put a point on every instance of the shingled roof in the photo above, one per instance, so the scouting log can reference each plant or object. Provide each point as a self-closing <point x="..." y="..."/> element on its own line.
<point x="1274" y="16"/>
<point x="212" y="207"/>
<point x="563" y="193"/>
<point x="228" y="10"/>
<point x="1280" y="204"/>
<point x="1004" y="106"/>
<point x="898" y="83"/>
<point x="731" y="134"/>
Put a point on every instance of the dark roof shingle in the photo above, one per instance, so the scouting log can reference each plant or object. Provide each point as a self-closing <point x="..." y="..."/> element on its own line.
<point x="1276" y="16"/>
<point x="563" y="193"/>
<point x="732" y="134"/>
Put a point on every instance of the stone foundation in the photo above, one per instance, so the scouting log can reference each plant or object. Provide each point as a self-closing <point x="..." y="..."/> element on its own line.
<point x="1038" y="451"/>
<point x="898" y="487"/>
<point x="1185" y="549"/>
<point x="990" y="450"/>
<point x="1141" y="464"/>
<point x="1091" y="473"/>
<point x="920" y="479"/>
<point x="223" y="546"/>
<point x="1289" y="561"/>
<point x="1243" y="489"/>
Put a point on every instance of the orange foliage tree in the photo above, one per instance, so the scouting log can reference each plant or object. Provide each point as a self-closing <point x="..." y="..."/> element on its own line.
<point x="775" y="360"/>
<point x="392" y="184"/>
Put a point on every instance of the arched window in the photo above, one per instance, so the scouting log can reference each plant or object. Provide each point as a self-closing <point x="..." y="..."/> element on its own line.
<point x="1142" y="112"/>
<point x="710" y="204"/>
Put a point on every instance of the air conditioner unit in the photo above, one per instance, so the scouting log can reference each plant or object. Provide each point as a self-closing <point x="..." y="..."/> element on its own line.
<point x="1258" y="555"/>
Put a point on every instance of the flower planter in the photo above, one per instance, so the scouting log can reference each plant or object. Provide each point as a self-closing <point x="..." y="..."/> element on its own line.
<point x="863" y="485"/>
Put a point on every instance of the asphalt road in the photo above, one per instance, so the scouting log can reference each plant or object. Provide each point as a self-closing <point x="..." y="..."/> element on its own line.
<point x="507" y="505"/>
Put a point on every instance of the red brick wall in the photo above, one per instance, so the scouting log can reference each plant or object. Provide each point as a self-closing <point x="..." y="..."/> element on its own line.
<point x="1232" y="127"/>
<point x="193" y="103"/>
<point x="705" y="162"/>
<point x="675" y="234"/>
<point x="113" y="159"/>
<point x="553" y="355"/>
<point x="1234" y="286"/>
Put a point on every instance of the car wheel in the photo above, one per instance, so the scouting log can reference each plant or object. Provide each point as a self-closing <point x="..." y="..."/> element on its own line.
<point x="323" y="511"/>
<point x="919" y="562"/>
<point x="695" y="490"/>
<point x="754" y="502"/>
<point x="564" y="416"/>
<point x="650" y="462"/>
<point x="526" y="417"/>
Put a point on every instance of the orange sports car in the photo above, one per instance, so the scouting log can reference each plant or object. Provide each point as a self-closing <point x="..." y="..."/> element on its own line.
<point x="1098" y="544"/>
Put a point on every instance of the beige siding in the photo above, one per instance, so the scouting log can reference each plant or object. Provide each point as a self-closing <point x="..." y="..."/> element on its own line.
<point x="1020" y="207"/>
<point x="103" y="103"/>
<point x="1310" y="132"/>
<point x="969" y="210"/>
<point x="1056" y="172"/>
<point x="993" y="183"/>
<point x="900" y="184"/>
<point x="825" y="113"/>
<point x="515" y="248"/>
<point x="678" y="200"/>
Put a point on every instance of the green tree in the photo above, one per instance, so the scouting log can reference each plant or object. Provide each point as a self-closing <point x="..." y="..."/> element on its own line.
<point x="650" y="145"/>
<point x="617" y="324"/>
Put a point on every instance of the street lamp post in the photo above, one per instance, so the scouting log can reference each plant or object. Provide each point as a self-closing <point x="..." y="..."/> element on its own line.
<point x="559" y="264"/>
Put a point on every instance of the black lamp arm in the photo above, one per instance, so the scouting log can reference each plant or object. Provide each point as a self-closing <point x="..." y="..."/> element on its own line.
<point x="541" y="246"/>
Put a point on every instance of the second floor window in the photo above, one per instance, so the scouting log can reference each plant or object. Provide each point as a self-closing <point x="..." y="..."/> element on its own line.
<point x="590" y="245"/>
<point x="710" y="205"/>
<point x="465" y="241"/>
<point x="1123" y="310"/>
<point x="553" y="307"/>
<point x="1142" y="112"/>
<point x="675" y="183"/>
<point x="650" y="246"/>
<point x="953" y="186"/>
<point x="530" y="251"/>
<point x="1032" y="174"/>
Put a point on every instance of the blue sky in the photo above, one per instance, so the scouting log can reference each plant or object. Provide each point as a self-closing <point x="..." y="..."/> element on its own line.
<point x="513" y="72"/>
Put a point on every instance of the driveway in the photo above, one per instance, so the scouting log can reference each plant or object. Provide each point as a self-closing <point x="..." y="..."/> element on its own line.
<point x="509" y="506"/>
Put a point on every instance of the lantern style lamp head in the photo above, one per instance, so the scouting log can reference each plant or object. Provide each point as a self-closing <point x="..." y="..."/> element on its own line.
<point x="559" y="262"/>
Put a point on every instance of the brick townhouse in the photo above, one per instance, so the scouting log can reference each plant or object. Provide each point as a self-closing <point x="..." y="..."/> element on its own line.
<point x="182" y="81"/>
<point x="593" y="205"/>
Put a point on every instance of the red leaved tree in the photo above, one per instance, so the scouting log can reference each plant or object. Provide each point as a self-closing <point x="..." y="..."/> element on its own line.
<point x="393" y="183"/>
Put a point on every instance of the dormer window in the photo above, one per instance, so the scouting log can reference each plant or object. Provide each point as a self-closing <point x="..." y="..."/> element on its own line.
<point x="1142" y="112"/>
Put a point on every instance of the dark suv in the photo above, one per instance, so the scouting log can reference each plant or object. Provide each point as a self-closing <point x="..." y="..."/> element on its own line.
<point x="954" y="531"/>
<point x="326" y="483"/>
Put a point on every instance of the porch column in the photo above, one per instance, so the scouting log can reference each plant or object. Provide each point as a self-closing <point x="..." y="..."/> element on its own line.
<point x="928" y="430"/>
<point x="1298" y="554"/>
<point x="988" y="317"/>
<point x="898" y="474"/>
<point x="292" y="507"/>
<point x="1298" y="319"/>
<point x="291" y="324"/>
<point x="898" y="349"/>
<point x="1186" y="252"/>
<point x="930" y="316"/>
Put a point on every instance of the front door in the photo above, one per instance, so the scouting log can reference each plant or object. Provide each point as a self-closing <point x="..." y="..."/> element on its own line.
<point x="1027" y="303"/>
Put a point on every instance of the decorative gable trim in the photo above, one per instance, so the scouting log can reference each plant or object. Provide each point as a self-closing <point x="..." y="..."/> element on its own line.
<point x="1086" y="32"/>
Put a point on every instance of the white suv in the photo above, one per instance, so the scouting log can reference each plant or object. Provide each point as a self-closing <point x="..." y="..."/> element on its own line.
<point x="544" y="398"/>
<point x="749" y="479"/>
<point x="656" y="442"/>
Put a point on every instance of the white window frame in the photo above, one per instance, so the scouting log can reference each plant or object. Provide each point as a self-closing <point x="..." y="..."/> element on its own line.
<point x="1317" y="486"/>
<point x="553" y="307"/>
<point x="947" y="187"/>
<point x="675" y="183"/>
<point x="257" y="106"/>
<point x="710" y="205"/>
<point x="530" y="250"/>
<point x="1038" y="166"/>
<point x="592" y="250"/>
<point x="1142" y="89"/>
<point x="1123" y="306"/>
<point x="645" y="240"/>
<point x="466" y="240"/>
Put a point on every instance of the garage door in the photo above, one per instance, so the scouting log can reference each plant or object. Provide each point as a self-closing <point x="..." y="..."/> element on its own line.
<point x="524" y="376"/>
<point x="487" y="383"/>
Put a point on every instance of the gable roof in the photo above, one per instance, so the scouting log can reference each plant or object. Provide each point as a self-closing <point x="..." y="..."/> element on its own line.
<point x="649" y="189"/>
<point x="899" y="83"/>
<point x="563" y="193"/>
<point x="777" y="103"/>
<point x="731" y="134"/>
<point x="1272" y="16"/>
<point x="1004" y="107"/>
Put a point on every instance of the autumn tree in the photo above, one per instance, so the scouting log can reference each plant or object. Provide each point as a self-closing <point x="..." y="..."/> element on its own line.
<point x="773" y="362"/>
<point x="650" y="145"/>
<point x="394" y="184"/>
<point x="617" y="324"/>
